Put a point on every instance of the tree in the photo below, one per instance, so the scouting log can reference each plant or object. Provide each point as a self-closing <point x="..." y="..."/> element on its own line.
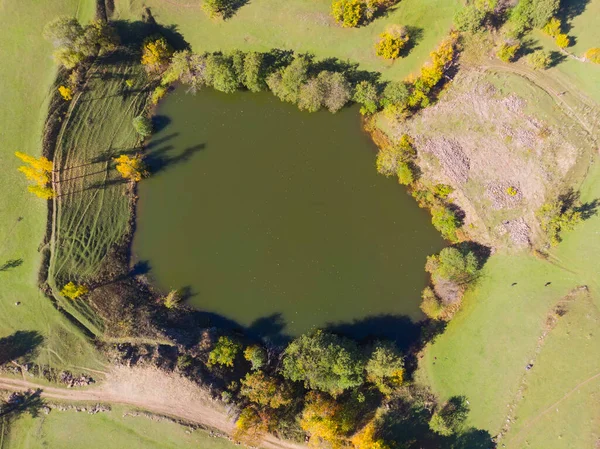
<point x="593" y="55"/>
<point x="453" y="265"/>
<point x="256" y="355"/>
<point x="220" y="8"/>
<point x="131" y="168"/>
<point x="337" y="90"/>
<point x="395" y="93"/>
<point x="286" y="82"/>
<point x="39" y="171"/>
<point x="158" y="94"/>
<point x="391" y="42"/>
<point x="469" y="19"/>
<point x="431" y="304"/>
<point x="142" y="125"/>
<point x="324" y="361"/>
<point x="558" y="216"/>
<point x="74" y="291"/>
<point x="224" y="352"/>
<point x="43" y="192"/>
<point x="65" y="92"/>
<point x="532" y="14"/>
<point x="264" y="390"/>
<point x="366" y="438"/>
<point x="250" y="427"/>
<point x="156" y="53"/>
<point x="553" y="27"/>
<point x="311" y="96"/>
<point x="385" y="367"/>
<point x="538" y="60"/>
<point x="507" y="52"/>
<point x="253" y="72"/>
<point x="220" y="73"/>
<point x="451" y="418"/>
<point x="348" y="13"/>
<point x="446" y="221"/>
<point x="323" y="419"/>
<point x="367" y="95"/>
<point x="63" y="31"/>
<point x="172" y="300"/>
<point x="563" y="41"/>
<point x="405" y="173"/>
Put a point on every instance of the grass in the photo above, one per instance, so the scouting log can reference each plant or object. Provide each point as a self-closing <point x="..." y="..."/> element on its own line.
<point x="106" y="430"/>
<point x="27" y="72"/>
<point x="93" y="205"/>
<point x="303" y="26"/>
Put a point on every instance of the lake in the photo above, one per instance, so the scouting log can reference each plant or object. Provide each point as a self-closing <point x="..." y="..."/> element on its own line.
<point x="272" y="216"/>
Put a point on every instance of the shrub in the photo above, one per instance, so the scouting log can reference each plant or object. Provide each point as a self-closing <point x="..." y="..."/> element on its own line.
<point x="172" y="300"/>
<point x="453" y="265"/>
<point x="553" y="27"/>
<point x="256" y="356"/>
<point x="156" y="53"/>
<point x="367" y="95"/>
<point x="73" y="291"/>
<point x="348" y="13"/>
<point x="142" y="125"/>
<point x="324" y="362"/>
<point x="563" y="41"/>
<point x="405" y="173"/>
<point x="512" y="191"/>
<point x="446" y="221"/>
<point x="66" y="93"/>
<point x="430" y="304"/>
<point x="391" y="42"/>
<point x="593" y="55"/>
<point x="385" y="367"/>
<point x="224" y="352"/>
<point x="451" y="418"/>
<point x="539" y="60"/>
<point x="507" y="52"/>
<point x="469" y="19"/>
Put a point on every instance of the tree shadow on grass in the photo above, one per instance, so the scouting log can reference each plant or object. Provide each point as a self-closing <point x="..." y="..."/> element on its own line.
<point x="10" y="264"/>
<point x="570" y="9"/>
<point x="556" y="58"/>
<point x="20" y="345"/>
<point x="415" y="37"/>
<point x="350" y="69"/>
<point x="23" y="402"/>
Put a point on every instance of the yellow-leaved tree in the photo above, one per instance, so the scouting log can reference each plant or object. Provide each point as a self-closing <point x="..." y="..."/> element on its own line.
<point x="367" y="438"/>
<point x="66" y="93"/>
<point x="39" y="171"/>
<point x="593" y="55"/>
<point x="156" y="54"/>
<point x="131" y="168"/>
<point x="74" y="291"/>
<point x="392" y="41"/>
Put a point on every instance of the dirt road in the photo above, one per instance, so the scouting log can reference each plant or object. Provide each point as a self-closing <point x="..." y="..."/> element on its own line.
<point x="151" y="390"/>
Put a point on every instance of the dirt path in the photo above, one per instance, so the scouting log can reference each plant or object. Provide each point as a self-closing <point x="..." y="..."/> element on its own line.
<point x="152" y="390"/>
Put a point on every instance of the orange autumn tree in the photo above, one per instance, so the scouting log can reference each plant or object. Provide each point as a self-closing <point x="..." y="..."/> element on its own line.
<point x="131" y="168"/>
<point x="39" y="171"/>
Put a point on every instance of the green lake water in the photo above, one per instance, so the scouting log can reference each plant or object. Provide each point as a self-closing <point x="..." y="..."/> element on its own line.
<point x="276" y="217"/>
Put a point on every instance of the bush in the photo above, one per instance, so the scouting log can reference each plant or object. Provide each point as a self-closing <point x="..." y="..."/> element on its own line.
<point x="430" y="304"/>
<point x="142" y="125"/>
<point x="391" y="42"/>
<point x="224" y="352"/>
<point x="453" y="265"/>
<point x="348" y="13"/>
<point x="553" y="27"/>
<point x="256" y="356"/>
<point x="469" y="19"/>
<point x="446" y="221"/>
<point x="366" y="94"/>
<point x="507" y="52"/>
<point x="593" y="55"/>
<point x="324" y="362"/>
<point x="539" y="60"/>
<point x="563" y="41"/>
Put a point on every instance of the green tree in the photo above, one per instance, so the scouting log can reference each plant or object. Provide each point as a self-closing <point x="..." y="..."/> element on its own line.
<point x="253" y="76"/>
<point x="469" y="19"/>
<point x="224" y="352"/>
<point x="446" y="221"/>
<point x="220" y="73"/>
<point x="223" y="9"/>
<point x="431" y="304"/>
<point x="385" y="367"/>
<point x="451" y="418"/>
<point x="256" y="355"/>
<point x="348" y="13"/>
<point x="142" y="125"/>
<point x="532" y="14"/>
<point x="405" y="172"/>
<point x="538" y="60"/>
<point x="558" y="216"/>
<point x="63" y="31"/>
<point x="367" y="95"/>
<point x="453" y="265"/>
<point x="395" y="93"/>
<point x="287" y="82"/>
<point x="324" y="361"/>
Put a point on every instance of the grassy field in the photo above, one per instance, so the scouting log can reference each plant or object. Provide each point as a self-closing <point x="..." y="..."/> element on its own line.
<point x="107" y="430"/>
<point x="303" y="26"/>
<point x="27" y="72"/>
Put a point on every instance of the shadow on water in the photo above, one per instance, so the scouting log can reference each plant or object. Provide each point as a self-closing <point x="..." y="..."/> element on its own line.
<point x="20" y="345"/>
<point x="158" y="160"/>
